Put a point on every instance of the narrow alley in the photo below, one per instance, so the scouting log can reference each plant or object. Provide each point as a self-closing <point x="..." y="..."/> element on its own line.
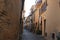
<point x="29" y="19"/>
<point x="31" y="36"/>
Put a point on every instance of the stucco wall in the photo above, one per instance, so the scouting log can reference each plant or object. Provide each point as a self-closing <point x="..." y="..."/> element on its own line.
<point x="9" y="19"/>
<point x="43" y="16"/>
<point x="36" y="17"/>
<point x="52" y="19"/>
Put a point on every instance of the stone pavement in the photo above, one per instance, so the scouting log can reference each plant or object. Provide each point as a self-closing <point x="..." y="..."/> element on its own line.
<point x="30" y="36"/>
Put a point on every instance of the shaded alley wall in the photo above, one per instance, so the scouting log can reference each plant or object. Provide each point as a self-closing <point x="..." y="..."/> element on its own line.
<point x="10" y="11"/>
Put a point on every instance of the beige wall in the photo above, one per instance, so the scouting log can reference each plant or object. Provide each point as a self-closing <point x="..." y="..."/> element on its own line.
<point x="52" y="19"/>
<point x="52" y="16"/>
<point x="43" y="16"/>
<point x="36" y="17"/>
<point x="43" y="1"/>
<point x="9" y="23"/>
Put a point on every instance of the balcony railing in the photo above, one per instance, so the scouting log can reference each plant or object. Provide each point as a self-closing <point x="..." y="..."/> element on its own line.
<point x="38" y="1"/>
<point x="43" y="7"/>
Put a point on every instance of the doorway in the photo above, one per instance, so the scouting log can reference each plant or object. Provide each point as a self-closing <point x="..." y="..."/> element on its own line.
<point x="45" y="27"/>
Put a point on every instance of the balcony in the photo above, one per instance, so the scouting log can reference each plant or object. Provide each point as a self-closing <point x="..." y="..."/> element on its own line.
<point x="39" y="1"/>
<point x="43" y="7"/>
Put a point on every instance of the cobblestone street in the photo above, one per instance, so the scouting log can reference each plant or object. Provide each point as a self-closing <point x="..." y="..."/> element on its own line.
<point x="30" y="36"/>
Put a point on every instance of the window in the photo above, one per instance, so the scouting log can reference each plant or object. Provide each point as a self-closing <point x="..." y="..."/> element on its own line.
<point x="53" y="35"/>
<point x="44" y="25"/>
<point x="36" y="23"/>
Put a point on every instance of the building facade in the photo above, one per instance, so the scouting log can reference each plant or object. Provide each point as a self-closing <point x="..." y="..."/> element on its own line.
<point x="10" y="19"/>
<point x="28" y="23"/>
<point x="37" y="17"/>
<point x="50" y="19"/>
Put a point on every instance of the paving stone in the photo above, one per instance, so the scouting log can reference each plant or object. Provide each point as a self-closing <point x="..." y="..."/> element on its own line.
<point x="30" y="36"/>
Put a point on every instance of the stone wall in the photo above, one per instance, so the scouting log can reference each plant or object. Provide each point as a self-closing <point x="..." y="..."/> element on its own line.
<point x="10" y="11"/>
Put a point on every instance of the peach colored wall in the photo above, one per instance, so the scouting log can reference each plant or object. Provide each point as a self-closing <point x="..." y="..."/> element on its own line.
<point x="43" y="15"/>
<point x="52" y="19"/>
<point x="36" y="17"/>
